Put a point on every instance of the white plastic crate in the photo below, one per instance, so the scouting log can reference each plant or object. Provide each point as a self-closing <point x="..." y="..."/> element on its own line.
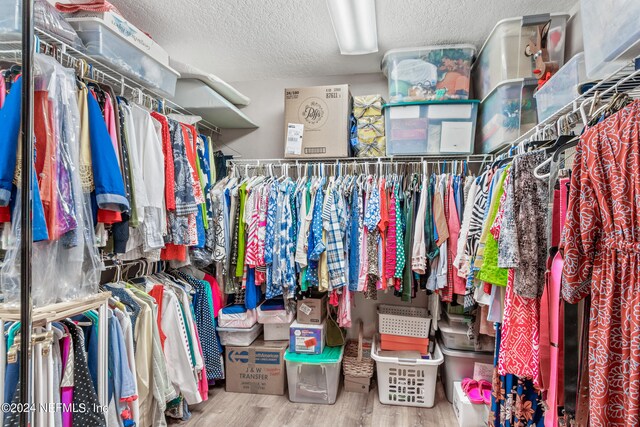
<point x="403" y="320"/>
<point x="407" y="382"/>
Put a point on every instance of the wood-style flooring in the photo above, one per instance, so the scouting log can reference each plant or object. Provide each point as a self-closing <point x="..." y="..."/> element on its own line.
<point x="350" y="409"/>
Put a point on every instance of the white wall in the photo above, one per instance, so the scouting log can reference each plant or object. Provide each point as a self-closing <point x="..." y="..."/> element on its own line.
<point x="267" y="110"/>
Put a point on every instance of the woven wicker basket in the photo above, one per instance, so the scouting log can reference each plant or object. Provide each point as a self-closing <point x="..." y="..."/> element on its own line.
<point x="357" y="361"/>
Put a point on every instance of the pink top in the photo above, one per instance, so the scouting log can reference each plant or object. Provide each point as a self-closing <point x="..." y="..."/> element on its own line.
<point x="459" y="283"/>
<point x="110" y="120"/>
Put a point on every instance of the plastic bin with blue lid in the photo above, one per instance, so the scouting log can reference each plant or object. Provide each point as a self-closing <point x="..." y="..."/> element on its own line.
<point x="431" y="127"/>
<point x="502" y="56"/>
<point x="314" y="378"/>
<point x="562" y="88"/>
<point x="428" y="73"/>
<point x="505" y="114"/>
<point x="611" y="34"/>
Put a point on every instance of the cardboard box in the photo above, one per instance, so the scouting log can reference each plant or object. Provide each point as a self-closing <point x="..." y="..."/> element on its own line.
<point x="312" y="311"/>
<point x="356" y="385"/>
<point x="317" y="121"/>
<point x="276" y="331"/>
<point x="467" y="413"/>
<point x="307" y="339"/>
<point x="258" y="368"/>
<point x="126" y="30"/>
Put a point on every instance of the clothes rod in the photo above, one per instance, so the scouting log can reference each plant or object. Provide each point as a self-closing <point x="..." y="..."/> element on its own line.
<point x="472" y="158"/>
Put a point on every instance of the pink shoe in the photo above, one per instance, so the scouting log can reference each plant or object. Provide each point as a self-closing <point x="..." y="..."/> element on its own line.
<point x="485" y="390"/>
<point x="472" y="389"/>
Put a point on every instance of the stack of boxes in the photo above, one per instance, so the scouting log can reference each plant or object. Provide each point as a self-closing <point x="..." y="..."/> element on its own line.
<point x="371" y="140"/>
<point x="273" y="315"/>
<point x="307" y="333"/>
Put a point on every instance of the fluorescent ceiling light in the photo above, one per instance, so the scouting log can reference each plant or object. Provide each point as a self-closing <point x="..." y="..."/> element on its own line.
<point x="354" y="22"/>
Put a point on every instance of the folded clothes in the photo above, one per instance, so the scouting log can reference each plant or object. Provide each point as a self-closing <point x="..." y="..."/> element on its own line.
<point x="87" y="6"/>
<point x="233" y="309"/>
<point x="272" y="305"/>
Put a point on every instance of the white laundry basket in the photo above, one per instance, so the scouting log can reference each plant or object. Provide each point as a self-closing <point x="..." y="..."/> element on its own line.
<point x="406" y="382"/>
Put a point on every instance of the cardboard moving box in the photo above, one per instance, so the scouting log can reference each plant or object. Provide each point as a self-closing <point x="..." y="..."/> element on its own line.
<point x="258" y="368"/>
<point x="312" y="311"/>
<point x="316" y="121"/>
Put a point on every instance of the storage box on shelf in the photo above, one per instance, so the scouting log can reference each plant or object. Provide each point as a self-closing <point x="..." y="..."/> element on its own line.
<point x="423" y="128"/>
<point x="317" y="121"/>
<point x="314" y="378"/>
<point x="45" y="18"/>
<point x="256" y="369"/>
<point x="458" y="365"/>
<point x="502" y="56"/>
<point x="562" y="88"/>
<point x="239" y="336"/>
<point x="428" y="73"/>
<point x="406" y="381"/>
<point x="506" y="113"/>
<point x="611" y="35"/>
<point x="106" y="44"/>
<point x="454" y="336"/>
<point x="467" y="413"/>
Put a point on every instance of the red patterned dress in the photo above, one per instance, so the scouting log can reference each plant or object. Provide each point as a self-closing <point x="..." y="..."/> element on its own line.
<point x="601" y="244"/>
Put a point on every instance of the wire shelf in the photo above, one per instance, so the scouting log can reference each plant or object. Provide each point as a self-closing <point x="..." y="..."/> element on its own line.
<point x="625" y="80"/>
<point x="11" y="50"/>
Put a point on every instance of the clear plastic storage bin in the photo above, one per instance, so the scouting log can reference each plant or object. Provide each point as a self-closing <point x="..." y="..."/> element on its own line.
<point x="270" y="313"/>
<point x="45" y="17"/>
<point x="458" y="365"/>
<point x="314" y="378"/>
<point x="611" y="33"/>
<point x="506" y="113"/>
<point x="105" y="45"/>
<point x="502" y="56"/>
<point x="454" y="336"/>
<point x="422" y="128"/>
<point x="406" y="382"/>
<point x="428" y="73"/>
<point x="238" y="336"/>
<point x="562" y="88"/>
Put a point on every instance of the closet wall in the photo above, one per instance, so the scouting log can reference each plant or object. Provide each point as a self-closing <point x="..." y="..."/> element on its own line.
<point x="267" y="110"/>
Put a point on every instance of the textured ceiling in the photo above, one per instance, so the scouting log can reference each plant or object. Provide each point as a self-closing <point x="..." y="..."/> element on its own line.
<point x="242" y="40"/>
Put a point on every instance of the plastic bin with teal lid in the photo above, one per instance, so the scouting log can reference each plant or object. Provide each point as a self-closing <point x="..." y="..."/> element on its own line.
<point x="314" y="378"/>
<point x="329" y="355"/>
<point x="431" y="127"/>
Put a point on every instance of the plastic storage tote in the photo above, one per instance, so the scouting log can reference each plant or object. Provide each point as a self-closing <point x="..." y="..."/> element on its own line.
<point x="45" y="17"/>
<point x="406" y="382"/>
<point x="562" y="88"/>
<point x="502" y="56"/>
<point x="506" y="113"/>
<point x="459" y="365"/>
<point x="428" y="73"/>
<point x="611" y="34"/>
<point x="238" y="336"/>
<point x="423" y="128"/>
<point x="106" y="45"/>
<point x="273" y="312"/>
<point x="314" y="378"/>
<point x="454" y="337"/>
